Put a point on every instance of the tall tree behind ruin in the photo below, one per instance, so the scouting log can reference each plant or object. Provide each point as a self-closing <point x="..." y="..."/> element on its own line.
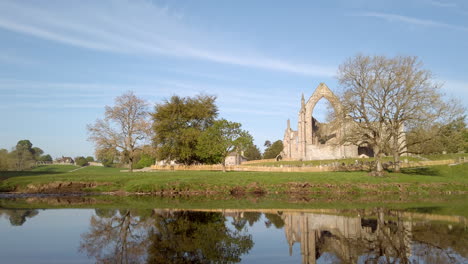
<point x="125" y="126"/>
<point x="385" y="95"/>
<point x="177" y="125"/>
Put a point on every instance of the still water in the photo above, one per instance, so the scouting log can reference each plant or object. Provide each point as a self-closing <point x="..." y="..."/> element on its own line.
<point x="375" y="235"/>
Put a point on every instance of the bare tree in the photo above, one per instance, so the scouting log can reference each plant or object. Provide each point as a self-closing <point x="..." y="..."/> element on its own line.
<point x="384" y="95"/>
<point x="125" y="127"/>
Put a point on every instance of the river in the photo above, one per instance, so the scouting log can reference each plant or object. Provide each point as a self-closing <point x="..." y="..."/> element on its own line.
<point x="342" y="234"/>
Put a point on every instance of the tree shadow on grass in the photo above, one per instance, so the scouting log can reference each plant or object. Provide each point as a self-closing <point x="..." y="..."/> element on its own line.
<point x="10" y="174"/>
<point x="426" y="171"/>
<point x="426" y="210"/>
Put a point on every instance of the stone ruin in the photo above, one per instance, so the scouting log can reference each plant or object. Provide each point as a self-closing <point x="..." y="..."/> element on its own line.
<point x="318" y="141"/>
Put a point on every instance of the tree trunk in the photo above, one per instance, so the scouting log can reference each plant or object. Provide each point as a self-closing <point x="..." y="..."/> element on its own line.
<point x="396" y="154"/>
<point x="131" y="165"/>
<point x="378" y="169"/>
<point x="396" y="161"/>
<point x="224" y="165"/>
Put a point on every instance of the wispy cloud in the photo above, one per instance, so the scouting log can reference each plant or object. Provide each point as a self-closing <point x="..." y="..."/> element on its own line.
<point x="442" y="4"/>
<point x="33" y="94"/>
<point x="137" y="27"/>
<point x="412" y="20"/>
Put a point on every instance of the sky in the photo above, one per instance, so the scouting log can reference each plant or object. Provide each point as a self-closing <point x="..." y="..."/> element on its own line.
<point x="62" y="62"/>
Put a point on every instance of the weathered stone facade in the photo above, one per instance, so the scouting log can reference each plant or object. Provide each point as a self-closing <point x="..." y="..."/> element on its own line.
<point x="308" y="142"/>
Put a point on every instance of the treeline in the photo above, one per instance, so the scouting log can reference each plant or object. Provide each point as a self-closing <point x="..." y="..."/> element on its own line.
<point x="22" y="157"/>
<point x="272" y="150"/>
<point x="185" y="130"/>
<point x="439" y="138"/>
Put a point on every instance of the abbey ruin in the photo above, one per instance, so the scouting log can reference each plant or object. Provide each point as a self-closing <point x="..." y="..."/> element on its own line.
<point x="317" y="141"/>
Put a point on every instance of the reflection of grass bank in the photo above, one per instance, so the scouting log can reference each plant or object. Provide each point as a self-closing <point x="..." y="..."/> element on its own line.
<point x="436" y="179"/>
<point x="442" y="205"/>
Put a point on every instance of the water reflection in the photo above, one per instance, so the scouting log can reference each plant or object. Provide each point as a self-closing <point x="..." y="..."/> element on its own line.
<point x="18" y="217"/>
<point x="160" y="236"/>
<point x="226" y="236"/>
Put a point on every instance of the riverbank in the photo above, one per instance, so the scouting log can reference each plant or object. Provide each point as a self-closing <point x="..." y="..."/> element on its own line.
<point x="53" y="179"/>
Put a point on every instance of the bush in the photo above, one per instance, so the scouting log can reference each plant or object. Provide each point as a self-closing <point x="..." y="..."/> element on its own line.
<point x="145" y="161"/>
<point x="107" y="163"/>
<point x="90" y="159"/>
<point x="81" y="161"/>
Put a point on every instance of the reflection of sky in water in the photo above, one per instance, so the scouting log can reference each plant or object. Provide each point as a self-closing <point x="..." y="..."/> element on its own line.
<point x="270" y="245"/>
<point x="53" y="236"/>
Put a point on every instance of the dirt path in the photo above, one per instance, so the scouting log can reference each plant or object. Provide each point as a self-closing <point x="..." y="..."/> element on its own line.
<point x="77" y="169"/>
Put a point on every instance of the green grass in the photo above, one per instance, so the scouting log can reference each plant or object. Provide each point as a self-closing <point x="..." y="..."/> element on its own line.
<point x="352" y="161"/>
<point x="349" y="161"/>
<point x="412" y="180"/>
<point x="38" y="171"/>
<point x="445" y="156"/>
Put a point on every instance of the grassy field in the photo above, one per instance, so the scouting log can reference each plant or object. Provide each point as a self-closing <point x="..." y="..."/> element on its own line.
<point x="353" y="160"/>
<point x="56" y="179"/>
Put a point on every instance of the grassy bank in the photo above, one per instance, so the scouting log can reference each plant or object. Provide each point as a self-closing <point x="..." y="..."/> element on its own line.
<point x="352" y="161"/>
<point x="53" y="179"/>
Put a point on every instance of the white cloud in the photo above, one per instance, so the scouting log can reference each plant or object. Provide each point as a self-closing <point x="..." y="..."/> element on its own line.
<point x="411" y="20"/>
<point x="38" y="94"/>
<point x="442" y="4"/>
<point x="136" y="27"/>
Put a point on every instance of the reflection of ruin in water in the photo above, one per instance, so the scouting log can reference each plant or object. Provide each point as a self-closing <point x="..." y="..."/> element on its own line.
<point x="341" y="239"/>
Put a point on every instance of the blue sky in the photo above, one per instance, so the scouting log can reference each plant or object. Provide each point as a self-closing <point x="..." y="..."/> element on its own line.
<point x="61" y="62"/>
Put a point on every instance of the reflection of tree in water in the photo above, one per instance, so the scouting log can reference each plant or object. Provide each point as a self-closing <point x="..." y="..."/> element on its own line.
<point x="274" y="219"/>
<point x="439" y="243"/>
<point x="117" y="236"/>
<point x="153" y="236"/>
<point x="240" y="219"/>
<point x="196" y="237"/>
<point x="18" y="217"/>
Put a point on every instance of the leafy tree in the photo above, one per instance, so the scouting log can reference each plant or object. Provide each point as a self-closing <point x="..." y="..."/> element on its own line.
<point x="125" y="127"/>
<point x="451" y="137"/>
<point x="37" y="152"/>
<point x="222" y="138"/>
<point x="178" y="124"/>
<point x="145" y="161"/>
<point x="46" y="157"/>
<point x="81" y="161"/>
<point x="252" y="153"/>
<point x="23" y="155"/>
<point x="107" y="156"/>
<point x="90" y="158"/>
<point x="274" y="150"/>
<point x="4" y="160"/>
<point x="383" y="96"/>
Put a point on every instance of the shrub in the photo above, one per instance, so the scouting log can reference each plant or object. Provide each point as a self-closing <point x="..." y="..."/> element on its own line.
<point x="81" y="161"/>
<point x="145" y="161"/>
